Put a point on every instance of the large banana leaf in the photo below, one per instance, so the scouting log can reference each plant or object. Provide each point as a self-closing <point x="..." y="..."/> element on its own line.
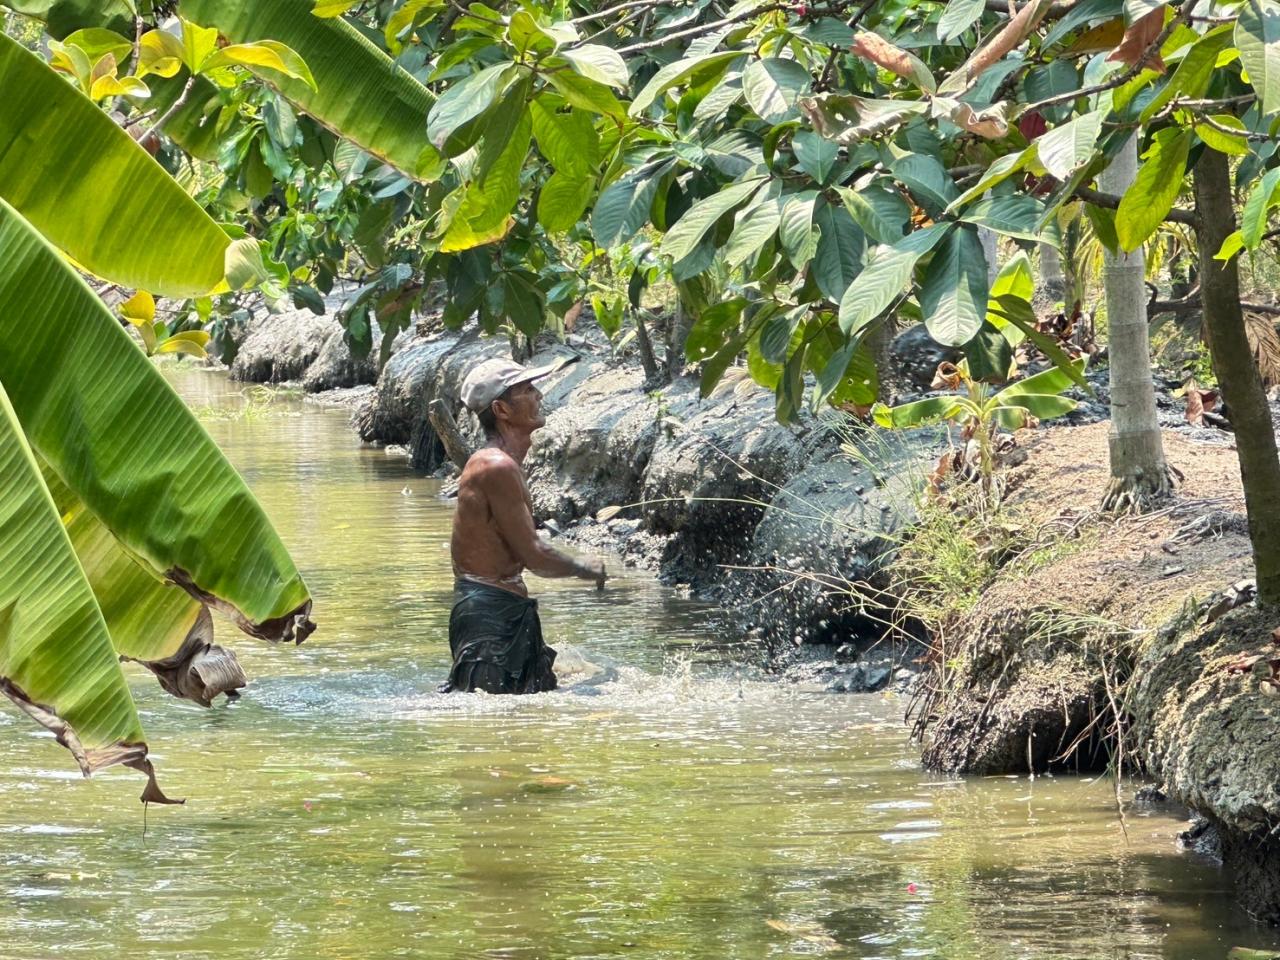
<point x="361" y="93"/>
<point x="111" y="428"/>
<point x="56" y="659"/>
<point x="153" y="622"/>
<point x="66" y="16"/>
<point x="93" y="192"/>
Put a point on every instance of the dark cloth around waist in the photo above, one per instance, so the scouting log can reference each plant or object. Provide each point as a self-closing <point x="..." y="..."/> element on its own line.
<point x="496" y="639"/>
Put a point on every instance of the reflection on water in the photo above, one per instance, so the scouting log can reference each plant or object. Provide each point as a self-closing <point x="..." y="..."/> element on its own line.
<point x="676" y="809"/>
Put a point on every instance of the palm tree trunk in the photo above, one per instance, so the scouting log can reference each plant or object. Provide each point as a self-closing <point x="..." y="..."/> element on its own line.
<point x="1053" y="285"/>
<point x="1139" y="474"/>
<point x="1237" y="373"/>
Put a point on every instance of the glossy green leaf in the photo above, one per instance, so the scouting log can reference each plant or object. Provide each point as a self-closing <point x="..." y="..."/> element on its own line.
<point x="569" y="140"/>
<point x="485" y="212"/>
<point x="953" y="295"/>
<point x="676" y="73"/>
<point x="602" y="64"/>
<point x="795" y="228"/>
<point x="351" y="74"/>
<point x="623" y="207"/>
<point x="698" y="219"/>
<point x="111" y="428"/>
<point x="1145" y="204"/>
<point x="772" y="86"/>
<point x="1192" y="76"/>
<point x="882" y="214"/>
<point x="63" y="169"/>
<point x="562" y="201"/>
<point x="587" y="94"/>
<point x="1070" y="145"/>
<point x="268" y="55"/>
<point x="887" y="274"/>
<point x="708" y="333"/>
<point x="840" y="251"/>
<point x="1253" y="221"/>
<point x="66" y="16"/>
<point x="1014" y="215"/>
<point x="1257" y="35"/>
<point x="958" y="17"/>
<point x="914" y="414"/>
<point x="752" y="230"/>
<point x="1216" y="139"/>
<point x="450" y="125"/>
<point x="56" y="658"/>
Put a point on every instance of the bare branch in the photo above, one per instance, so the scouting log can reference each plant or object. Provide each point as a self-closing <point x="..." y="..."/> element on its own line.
<point x="1112" y="202"/>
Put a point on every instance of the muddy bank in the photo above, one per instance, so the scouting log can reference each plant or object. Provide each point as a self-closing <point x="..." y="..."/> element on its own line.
<point x="1132" y="641"/>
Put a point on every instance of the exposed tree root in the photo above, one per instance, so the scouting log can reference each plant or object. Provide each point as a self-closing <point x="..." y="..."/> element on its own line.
<point x="1140" y="491"/>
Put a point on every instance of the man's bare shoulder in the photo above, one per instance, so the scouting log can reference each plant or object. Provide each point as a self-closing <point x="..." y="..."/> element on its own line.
<point x="489" y="466"/>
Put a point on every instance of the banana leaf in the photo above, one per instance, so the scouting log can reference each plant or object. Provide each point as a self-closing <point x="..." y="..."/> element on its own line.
<point x="94" y="193"/>
<point x="114" y="432"/>
<point x="150" y="621"/>
<point x="56" y="659"/>
<point x="62" y="17"/>
<point x="362" y="94"/>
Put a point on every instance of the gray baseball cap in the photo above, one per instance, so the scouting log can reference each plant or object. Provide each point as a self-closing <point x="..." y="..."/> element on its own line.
<point x="490" y="379"/>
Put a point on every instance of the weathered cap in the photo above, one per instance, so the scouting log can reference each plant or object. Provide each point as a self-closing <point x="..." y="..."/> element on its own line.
<point x="490" y="379"/>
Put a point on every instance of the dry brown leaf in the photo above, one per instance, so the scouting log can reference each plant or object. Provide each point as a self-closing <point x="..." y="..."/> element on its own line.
<point x="1014" y="32"/>
<point x="809" y="932"/>
<point x="989" y="123"/>
<point x="873" y="47"/>
<point x="1141" y="34"/>
<point x="1265" y="344"/>
<point x="944" y="467"/>
<point x="1105" y="36"/>
<point x="571" y="316"/>
<point x="946" y="377"/>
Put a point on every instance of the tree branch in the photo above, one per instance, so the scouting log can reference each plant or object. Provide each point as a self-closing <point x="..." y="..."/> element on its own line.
<point x="705" y="27"/>
<point x="1112" y="202"/>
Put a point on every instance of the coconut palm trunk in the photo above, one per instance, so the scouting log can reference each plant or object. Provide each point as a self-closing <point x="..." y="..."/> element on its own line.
<point x="1139" y="474"/>
<point x="1237" y="373"/>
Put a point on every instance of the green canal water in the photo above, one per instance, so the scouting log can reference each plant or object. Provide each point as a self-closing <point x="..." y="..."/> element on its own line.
<point x="687" y="808"/>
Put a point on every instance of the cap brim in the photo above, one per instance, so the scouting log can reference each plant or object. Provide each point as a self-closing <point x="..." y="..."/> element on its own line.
<point x="537" y="373"/>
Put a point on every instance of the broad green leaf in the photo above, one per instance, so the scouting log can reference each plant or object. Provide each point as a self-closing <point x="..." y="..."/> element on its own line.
<point x="1040" y="406"/>
<point x="796" y="230"/>
<point x="56" y="658"/>
<point x="714" y="368"/>
<point x="404" y="18"/>
<point x="1070" y="145"/>
<point x="1014" y="215"/>
<point x="66" y="179"/>
<point x="1145" y="204"/>
<point x="840" y="252"/>
<point x="886" y="275"/>
<point x="1051" y="381"/>
<point x="602" y="64"/>
<point x="1000" y="170"/>
<point x="1253" y="221"/>
<point x="563" y="200"/>
<point x="1232" y="245"/>
<point x="1257" y="35"/>
<point x="953" y="296"/>
<point x="587" y="94"/>
<point x="1216" y="139"/>
<point x="707" y="335"/>
<point x="160" y="53"/>
<point x="66" y="16"/>
<point x="98" y="43"/>
<point x="266" y="54"/>
<point x="698" y="219"/>
<point x="1012" y="314"/>
<point x="485" y="212"/>
<point x="115" y="433"/>
<point x="623" y="207"/>
<point x="988" y="354"/>
<point x="1014" y="279"/>
<point x="139" y="309"/>
<point x="109" y="86"/>
<point x="351" y="75"/>
<point x="450" y="124"/>
<point x="1191" y="78"/>
<point x="844" y="371"/>
<point x="772" y="86"/>
<point x="333" y="8"/>
<point x="816" y="155"/>
<point x="958" y="17"/>
<point x="881" y="213"/>
<point x="914" y="414"/>
<point x="752" y="230"/>
<point x="847" y="120"/>
<point x="677" y="73"/>
<point x="568" y="140"/>
<point x="926" y="179"/>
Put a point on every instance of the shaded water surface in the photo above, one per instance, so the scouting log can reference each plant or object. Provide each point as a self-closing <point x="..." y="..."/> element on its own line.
<point x="683" y="809"/>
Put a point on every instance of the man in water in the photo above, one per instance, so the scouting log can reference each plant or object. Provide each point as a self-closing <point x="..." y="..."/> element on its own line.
<point x="494" y="630"/>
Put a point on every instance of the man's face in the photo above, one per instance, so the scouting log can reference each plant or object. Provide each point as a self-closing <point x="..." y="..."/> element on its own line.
<point x="523" y="404"/>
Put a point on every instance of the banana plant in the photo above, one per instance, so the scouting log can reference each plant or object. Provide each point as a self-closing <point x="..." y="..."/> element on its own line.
<point x="980" y="409"/>
<point x="121" y="523"/>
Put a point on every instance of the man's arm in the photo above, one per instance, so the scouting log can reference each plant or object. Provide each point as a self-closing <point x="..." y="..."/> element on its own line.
<point x="504" y="488"/>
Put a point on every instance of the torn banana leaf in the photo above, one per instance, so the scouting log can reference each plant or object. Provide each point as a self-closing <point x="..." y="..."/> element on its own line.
<point x="56" y="659"/>
<point x="94" y="193"/>
<point x="361" y="93"/>
<point x="152" y="622"/>
<point x="113" y="431"/>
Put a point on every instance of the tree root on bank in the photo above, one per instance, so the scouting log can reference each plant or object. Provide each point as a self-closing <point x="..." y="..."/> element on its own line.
<point x="1140" y="491"/>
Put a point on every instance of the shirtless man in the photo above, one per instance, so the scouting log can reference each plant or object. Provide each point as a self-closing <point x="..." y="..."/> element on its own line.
<point x="494" y="630"/>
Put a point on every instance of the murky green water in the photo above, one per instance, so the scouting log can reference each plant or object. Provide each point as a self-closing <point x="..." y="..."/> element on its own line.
<point x="343" y="809"/>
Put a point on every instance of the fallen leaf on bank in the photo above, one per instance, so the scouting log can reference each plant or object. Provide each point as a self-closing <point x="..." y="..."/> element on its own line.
<point x="945" y="464"/>
<point x="1248" y="953"/>
<point x="1199" y="402"/>
<point x="607" y="513"/>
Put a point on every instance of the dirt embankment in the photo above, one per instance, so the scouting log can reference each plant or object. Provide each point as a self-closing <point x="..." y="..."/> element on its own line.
<point x="1106" y="640"/>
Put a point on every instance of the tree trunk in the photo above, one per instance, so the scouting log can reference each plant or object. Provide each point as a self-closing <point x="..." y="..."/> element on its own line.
<point x="1053" y="284"/>
<point x="652" y="375"/>
<point x="1236" y="372"/>
<point x="678" y="333"/>
<point x="1139" y="474"/>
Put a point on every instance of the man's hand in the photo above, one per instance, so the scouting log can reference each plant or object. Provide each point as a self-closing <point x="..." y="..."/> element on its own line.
<point x="595" y="572"/>
<point x="601" y="576"/>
